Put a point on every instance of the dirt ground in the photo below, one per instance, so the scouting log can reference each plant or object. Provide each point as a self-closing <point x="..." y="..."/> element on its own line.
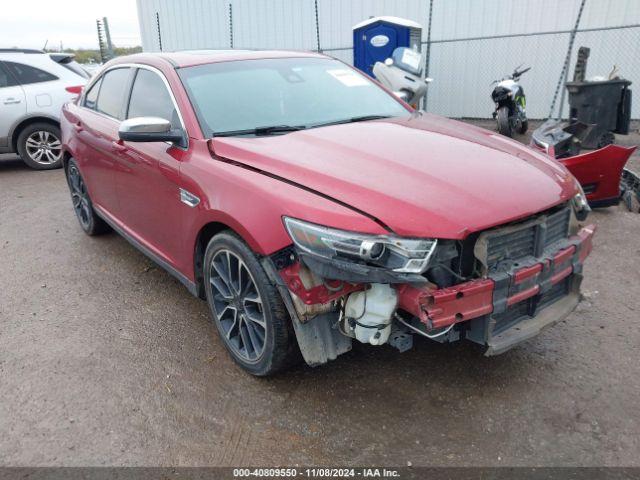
<point x="105" y="359"/>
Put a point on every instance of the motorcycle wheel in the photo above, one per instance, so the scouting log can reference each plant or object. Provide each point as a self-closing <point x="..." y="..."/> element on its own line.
<point x="524" y="126"/>
<point x="504" y="125"/>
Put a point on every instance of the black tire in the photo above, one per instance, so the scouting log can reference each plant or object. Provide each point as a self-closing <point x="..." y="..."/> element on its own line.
<point x="504" y="125"/>
<point x="231" y="316"/>
<point x="89" y="221"/>
<point x="40" y="146"/>
<point x="524" y="126"/>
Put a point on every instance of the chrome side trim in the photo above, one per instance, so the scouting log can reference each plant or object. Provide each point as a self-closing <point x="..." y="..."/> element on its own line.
<point x="189" y="198"/>
<point x="191" y="286"/>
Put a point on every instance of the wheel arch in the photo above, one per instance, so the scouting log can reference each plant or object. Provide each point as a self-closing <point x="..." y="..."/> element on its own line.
<point x="23" y="123"/>
<point x="205" y="234"/>
<point x="66" y="156"/>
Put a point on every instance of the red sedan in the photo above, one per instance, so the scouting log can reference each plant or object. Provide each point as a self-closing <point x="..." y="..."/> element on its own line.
<point x="311" y="208"/>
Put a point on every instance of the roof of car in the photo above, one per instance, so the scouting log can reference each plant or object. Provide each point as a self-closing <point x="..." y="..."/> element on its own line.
<point x="189" y="58"/>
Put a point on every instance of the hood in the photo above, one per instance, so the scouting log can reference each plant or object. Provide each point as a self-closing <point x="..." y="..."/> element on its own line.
<point x="423" y="176"/>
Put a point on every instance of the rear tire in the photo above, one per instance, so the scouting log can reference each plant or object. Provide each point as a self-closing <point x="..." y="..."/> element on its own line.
<point x="247" y="309"/>
<point x="504" y="125"/>
<point x="40" y="146"/>
<point x="89" y="221"/>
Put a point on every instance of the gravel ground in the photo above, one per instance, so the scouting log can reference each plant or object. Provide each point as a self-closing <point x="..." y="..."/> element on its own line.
<point x="105" y="359"/>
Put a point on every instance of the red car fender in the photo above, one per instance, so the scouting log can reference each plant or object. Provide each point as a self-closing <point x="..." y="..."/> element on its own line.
<point x="252" y="204"/>
<point x="599" y="172"/>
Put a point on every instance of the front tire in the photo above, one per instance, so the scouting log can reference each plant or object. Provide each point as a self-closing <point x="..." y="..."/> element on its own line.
<point x="40" y="147"/>
<point x="524" y="126"/>
<point x="90" y="223"/>
<point x="504" y="125"/>
<point x="247" y="309"/>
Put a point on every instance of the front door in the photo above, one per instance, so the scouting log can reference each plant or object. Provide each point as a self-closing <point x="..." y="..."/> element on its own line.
<point x="148" y="173"/>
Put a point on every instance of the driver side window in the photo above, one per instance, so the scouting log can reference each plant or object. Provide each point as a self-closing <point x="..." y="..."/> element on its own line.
<point x="150" y="98"/>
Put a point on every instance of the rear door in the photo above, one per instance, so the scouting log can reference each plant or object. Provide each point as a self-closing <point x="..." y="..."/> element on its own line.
<point x="148" y="173"/>
<point x="41" y="88"/>
<point x="103" y="108"/>
<point x="13" y="105"/>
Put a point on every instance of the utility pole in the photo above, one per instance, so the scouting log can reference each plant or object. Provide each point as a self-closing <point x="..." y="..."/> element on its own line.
<point x="159" y="31"/>
<point x="230" y="25"/>
<point x="104" y="52"/>
<point x="107" y="35"/>
<point x="427" y="59"/>
<point x="560" y="87"/>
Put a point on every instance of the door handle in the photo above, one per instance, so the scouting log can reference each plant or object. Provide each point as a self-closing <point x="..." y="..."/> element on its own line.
<point x="118" y="147"/>
<point x="78" y="127"/>
<point x="12" y="101"/>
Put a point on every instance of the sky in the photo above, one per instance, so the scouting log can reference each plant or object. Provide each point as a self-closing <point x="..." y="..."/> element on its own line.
<point x="30" y="23"/>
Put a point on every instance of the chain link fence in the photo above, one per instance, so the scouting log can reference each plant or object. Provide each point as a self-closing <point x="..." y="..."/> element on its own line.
<point x="463" y="66"/>
<point x="464" y="69"/>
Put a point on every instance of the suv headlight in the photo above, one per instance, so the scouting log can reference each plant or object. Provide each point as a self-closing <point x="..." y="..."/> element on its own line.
<point x="402" y="255"/>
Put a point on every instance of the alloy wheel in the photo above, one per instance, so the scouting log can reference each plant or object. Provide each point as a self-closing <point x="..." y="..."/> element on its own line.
<point x="43" y="147"/>
<point x="238" y="306"/>
<point x="79" y="196"/>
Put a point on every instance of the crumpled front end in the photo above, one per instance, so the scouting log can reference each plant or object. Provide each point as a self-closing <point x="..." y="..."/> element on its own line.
<point x="496" y="288"/>
<point x="520" y="295"/>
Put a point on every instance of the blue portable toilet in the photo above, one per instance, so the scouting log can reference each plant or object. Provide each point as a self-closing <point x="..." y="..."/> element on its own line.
<point x="375" y="39"/>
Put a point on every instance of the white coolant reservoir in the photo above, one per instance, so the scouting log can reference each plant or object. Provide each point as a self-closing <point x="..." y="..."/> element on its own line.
<point x="368" y="313"/>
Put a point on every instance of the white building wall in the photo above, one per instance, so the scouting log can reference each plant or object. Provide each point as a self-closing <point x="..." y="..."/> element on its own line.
<point x="462" y="70"/>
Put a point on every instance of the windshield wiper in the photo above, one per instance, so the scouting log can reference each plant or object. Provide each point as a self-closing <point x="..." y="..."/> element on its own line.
<point x="260" y="131"/>
<point x="362" y="118"/>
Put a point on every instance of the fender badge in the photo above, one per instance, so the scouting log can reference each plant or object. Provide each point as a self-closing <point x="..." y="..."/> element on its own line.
<point x="188" y="198"/>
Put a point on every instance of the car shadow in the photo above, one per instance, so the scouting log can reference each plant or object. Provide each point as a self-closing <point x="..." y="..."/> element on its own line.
<point x="11" y="162"/>
<point x="460" y="362"/>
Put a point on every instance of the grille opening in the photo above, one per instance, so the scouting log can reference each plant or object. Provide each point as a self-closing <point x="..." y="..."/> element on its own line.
<point x="506" y="248"/>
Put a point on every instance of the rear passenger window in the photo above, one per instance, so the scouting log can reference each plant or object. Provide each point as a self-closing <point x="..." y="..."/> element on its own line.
<point x="112" y="92"/>
<point x="6" y="80"/>
<point x="90" y="99"/>
<point x="26" y="74"/>
<point x="150" y="98"/>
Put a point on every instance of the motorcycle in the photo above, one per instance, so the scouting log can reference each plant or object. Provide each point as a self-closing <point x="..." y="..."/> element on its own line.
<point x="511" y="104"/>
<point x="402" y="74"/>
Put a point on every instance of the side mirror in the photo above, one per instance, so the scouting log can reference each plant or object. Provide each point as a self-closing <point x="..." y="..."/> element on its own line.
<point x="150" y="129"/>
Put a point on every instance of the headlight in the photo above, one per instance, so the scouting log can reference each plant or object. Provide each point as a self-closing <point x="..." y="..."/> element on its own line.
<point x="403" y="255"/>
<point x="580" y="203"/>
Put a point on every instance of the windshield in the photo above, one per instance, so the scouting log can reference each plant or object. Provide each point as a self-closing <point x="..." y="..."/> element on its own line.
<point x="239" y="97"/>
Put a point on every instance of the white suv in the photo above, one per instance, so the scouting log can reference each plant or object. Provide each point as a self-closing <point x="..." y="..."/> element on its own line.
<point x="33" y="87"/>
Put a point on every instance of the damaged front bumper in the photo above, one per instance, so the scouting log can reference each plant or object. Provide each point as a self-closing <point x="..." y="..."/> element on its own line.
<point x="600" y="172"/>
<point x="499" y="311"/>
<point x="507" y="307"/>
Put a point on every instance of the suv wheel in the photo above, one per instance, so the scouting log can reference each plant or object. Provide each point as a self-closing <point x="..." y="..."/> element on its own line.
<point x="89" y="221"/>
<point x="40" y="147"/>
<point x="247" y="309"/>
